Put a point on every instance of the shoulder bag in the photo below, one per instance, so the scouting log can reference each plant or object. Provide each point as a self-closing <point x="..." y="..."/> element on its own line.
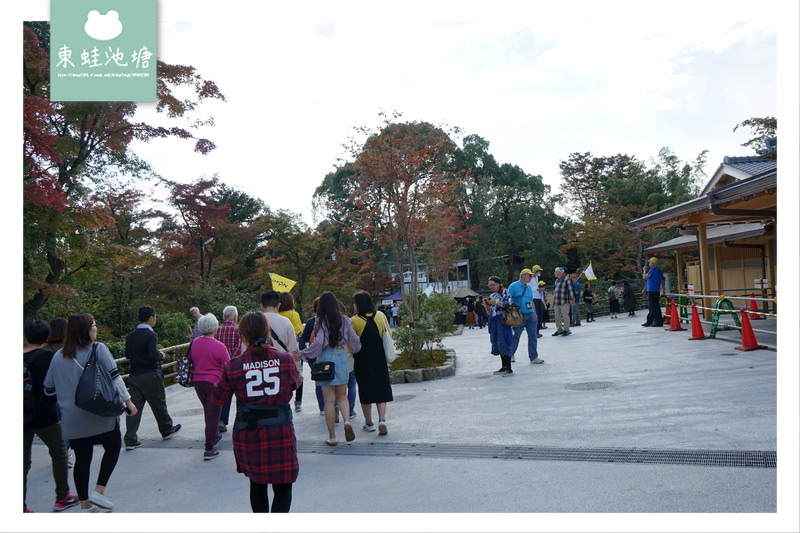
<point x="185" y="368"/>
<point x="511" y="314"/>
<point x="388" y="342"/>
<point x="323" y="371"/>
<point x="96" y="391"/>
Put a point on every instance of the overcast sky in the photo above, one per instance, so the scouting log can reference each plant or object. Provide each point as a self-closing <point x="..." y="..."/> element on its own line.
<point x="537" y="84"/>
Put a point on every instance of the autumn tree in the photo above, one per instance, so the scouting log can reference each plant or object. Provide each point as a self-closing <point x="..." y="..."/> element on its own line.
<point x="69" y="148"/>
<point x="401" y="181"/>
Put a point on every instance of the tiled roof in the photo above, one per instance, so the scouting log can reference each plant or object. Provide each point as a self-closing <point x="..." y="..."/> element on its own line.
<point x="750" y="165"/>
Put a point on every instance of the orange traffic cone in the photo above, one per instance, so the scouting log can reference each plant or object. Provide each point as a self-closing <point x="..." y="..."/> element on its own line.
<point x="697" y="327"/>
<point x="749" y="342"/>
<point x="675" y="320"/>
<point x="755" y="314"/>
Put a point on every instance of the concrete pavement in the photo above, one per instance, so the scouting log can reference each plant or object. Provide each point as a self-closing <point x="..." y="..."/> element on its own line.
<point x="528" y="443"/>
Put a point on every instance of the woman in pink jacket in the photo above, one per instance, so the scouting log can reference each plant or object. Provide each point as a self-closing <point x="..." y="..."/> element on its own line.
<point x="208" y="357"/>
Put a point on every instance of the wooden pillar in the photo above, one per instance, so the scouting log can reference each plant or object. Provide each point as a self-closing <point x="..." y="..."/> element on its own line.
<point x="718" y="269"/>
<point x="679" y="272"/>
<point x="769" y="249"/>
<point x="705" y="278"/>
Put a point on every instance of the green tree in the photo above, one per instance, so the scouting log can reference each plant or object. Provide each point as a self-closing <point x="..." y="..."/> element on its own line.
<point x="763" y="129"/>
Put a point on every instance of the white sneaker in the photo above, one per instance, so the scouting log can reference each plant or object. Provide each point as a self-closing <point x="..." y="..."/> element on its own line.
<point x="92" y="509"/>
<point x="369" y="427"/>
<point x="100" y="500"/>
<point x="382" y="429"/>
<point x="298" y="406"/>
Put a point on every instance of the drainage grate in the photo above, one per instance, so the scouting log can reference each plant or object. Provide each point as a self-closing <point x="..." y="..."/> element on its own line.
<point x="590" y="385"/>
<point x="727" y="458"/>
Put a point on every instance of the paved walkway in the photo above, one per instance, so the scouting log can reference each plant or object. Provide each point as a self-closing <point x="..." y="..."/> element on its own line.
<point x="663" y="436"/>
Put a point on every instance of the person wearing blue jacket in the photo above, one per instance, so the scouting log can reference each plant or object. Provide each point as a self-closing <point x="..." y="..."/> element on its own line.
<point x="522" y="295"/>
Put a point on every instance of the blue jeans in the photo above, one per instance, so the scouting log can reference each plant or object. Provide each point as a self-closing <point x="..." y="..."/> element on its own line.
<point x="575" y="313"/>
<point x="530" y="326"/>
<point x="500" y="336"/>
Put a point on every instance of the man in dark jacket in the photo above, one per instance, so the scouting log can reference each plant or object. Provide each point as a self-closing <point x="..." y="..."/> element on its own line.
<point x="145" y="383"/>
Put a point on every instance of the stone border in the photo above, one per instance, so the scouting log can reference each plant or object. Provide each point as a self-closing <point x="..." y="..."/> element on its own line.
<point x="426" y="374"/>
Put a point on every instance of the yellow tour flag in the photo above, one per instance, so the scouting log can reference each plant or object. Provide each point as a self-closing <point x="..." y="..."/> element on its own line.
<point x="281" y="284"/>
<point x="589" y="273"/>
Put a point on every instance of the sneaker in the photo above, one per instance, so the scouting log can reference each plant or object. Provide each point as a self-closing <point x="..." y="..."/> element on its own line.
<point x="382" y="430"/>
<point x="369" y="427"/>
<point x="176" y="428"/>
<point x="507" y="373"/>
<point x="213" y="454"/>
<point x="543" y="327"/>
<point x="513" y="360"/>
<point x="352" y="414"/>
<point x="349" y="434"/>
<point x="564" y="334"/>
<point x="322" y="413"/>
<point x="647" y="325"/>
<point x="331" y="442"/>
<point x="501" y="371"/>
<point x="70" y="500"/>
<point x="100" y="500"/>
<point x="575" y="324"/>
<point x="557" y="333"/>
<point x="222" y="428"/>
<point x="539" y="335"/>
<point x="92" y="509"/>
<point x="537" y="361"/>
<point x="298" y="406"/>
<point x="129" y="447"/>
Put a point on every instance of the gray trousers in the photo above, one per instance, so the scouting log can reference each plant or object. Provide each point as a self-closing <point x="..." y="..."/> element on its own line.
<point x="51" y="437"/>
<point x="147" y="387"/>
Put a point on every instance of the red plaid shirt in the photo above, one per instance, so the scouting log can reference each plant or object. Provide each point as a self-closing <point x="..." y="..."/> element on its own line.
<point x="265" y="454"/>
<point x="228" y="334"/>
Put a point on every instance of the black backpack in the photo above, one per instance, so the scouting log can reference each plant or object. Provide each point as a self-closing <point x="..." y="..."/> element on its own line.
<point x="30" y="399"/>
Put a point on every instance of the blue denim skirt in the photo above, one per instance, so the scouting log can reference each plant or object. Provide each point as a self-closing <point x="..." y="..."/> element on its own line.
<point x="339" y="357"/>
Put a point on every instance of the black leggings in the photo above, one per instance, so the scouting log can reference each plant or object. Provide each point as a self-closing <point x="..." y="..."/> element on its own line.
<point x="259" y="497"/>
<point x="84" y="448"/>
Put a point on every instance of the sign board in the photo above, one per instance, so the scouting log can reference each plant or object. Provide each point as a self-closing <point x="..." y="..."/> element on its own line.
<point x="690" y="289"/>
<point x="761" y="283"/>
<point x="387" y="302"/>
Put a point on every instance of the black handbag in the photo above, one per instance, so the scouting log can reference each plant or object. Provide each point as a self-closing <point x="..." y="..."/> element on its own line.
<point x="512" y="316"/>
<point x="185" y="369"/>
<point x="323" y="371"/>
<point x="96" y="391"/>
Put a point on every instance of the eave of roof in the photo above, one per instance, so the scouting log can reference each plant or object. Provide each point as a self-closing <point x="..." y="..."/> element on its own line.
<point x="715" y="235"/>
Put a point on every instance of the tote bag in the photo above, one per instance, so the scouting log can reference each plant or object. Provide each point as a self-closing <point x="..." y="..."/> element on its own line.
<point x="185" y="369"/>
<point x="388" y="342"/>
<point x="96" y="391"/>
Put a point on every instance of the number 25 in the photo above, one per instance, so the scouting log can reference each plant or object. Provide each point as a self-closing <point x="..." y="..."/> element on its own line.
<point x="256" y="378"/>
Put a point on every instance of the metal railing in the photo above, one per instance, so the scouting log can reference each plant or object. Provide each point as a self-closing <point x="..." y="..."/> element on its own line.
<point x="173" y="361"/>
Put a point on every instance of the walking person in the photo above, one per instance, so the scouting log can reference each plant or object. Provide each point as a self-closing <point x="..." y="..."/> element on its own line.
<point x="145" y="381"/>
<point x="264" y="441"/>
<point x="575" y="311"/>
<point x="228" y="334"/>
<point x="332" y="333"/>
<point x="500" y="335"/>
<point x="42" y="419"/>
<point x="654" y="279"/>
<point x="613" y="300"/>
<point x="85" y="429"/>
<point x="481" y="313"/>
<point x="287" y="310"/>
<point x="522" y="295"/>
<point x="209" y="357"/>
<point x="629" y="298"/>
<point x="563" y="298"/>
<point x="370" y="366"/>
<point x="588" y="301"/>
<point x="538" y="302"/>
<point x="545" y="306"/>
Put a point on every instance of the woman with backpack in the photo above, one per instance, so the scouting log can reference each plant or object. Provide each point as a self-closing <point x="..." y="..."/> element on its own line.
<point x="82" y="428"/>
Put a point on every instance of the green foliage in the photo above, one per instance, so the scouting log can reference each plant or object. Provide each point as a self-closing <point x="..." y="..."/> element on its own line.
<point x="763" y="128"/>
<point x="417" y="341"/>
<point x="173" y="328"/>
<point x="440" y="309"/>
<point x="210" y="298"/>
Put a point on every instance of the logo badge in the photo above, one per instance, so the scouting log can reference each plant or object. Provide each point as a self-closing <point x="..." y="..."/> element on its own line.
<point x="103" y="50"/>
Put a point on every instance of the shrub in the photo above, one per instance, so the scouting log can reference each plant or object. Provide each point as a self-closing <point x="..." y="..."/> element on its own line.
<point x="440" y="309"/>
<point x="173" y="329"/>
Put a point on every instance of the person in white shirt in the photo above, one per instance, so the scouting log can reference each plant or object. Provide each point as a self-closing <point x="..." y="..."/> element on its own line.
<point x="282" y="331"/>
<point x="538" y="302"/>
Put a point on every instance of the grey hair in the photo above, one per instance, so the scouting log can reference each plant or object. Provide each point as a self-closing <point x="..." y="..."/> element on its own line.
<point x="207" y="324"/>
<point x="229" y="312"/>
<point x="560" y="269"/>
<point x="194" y="309"/>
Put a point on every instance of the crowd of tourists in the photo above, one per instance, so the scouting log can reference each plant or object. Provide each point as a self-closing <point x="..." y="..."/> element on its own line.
<point x="257" y="359"/>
